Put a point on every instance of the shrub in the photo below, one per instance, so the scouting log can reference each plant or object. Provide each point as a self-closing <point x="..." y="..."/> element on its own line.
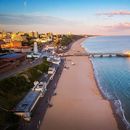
<point x="13" y="89"/>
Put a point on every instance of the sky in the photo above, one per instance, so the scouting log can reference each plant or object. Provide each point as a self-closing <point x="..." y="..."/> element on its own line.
<point x="100" y="17"/>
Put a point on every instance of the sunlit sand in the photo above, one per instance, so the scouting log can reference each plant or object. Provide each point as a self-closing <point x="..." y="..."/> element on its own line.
<point x="78" y="104"/>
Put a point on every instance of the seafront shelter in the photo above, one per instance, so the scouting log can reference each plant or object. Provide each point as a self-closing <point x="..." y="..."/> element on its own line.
<point x="27" y="104"/>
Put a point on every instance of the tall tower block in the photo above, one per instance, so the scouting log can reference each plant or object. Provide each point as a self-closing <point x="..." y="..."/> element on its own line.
<point x="35" y="49"/>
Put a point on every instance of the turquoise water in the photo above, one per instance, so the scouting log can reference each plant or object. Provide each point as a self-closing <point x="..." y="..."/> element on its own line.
<point x="113" y="73"/>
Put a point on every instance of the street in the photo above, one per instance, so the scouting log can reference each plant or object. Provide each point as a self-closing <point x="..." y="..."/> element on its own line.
<point x="22" y="67"/>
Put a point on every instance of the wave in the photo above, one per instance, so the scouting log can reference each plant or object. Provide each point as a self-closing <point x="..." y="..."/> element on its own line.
<point x="101" y="88"/>
<point x="116" y="102"/>
<point x="83" y="46"/>
<point x="120" y="112"/>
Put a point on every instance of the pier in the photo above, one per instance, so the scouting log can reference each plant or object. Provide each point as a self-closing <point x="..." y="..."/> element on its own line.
<point x="107" y="55"/>
<point x="97" y="54"/>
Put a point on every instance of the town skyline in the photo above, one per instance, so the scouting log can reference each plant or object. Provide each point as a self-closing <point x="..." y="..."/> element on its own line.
<point x="78" y="17"/>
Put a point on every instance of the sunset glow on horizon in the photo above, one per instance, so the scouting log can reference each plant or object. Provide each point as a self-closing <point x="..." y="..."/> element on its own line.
<point x="102" y="17"/>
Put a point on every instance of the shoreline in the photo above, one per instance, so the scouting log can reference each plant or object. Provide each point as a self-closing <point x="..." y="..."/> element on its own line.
<point x="97" y="109"/>
<point x="120" y="123"/>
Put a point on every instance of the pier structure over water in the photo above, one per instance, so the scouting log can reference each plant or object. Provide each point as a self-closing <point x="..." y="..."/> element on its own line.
<point x="106" y="54"/>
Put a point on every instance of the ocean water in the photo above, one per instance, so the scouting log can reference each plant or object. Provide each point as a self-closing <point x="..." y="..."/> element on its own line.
<point x="113" y="73"/>
<point x="108" y="44"/>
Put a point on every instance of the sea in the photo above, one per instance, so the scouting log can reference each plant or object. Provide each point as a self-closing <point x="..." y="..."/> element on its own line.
<point x="113" y="73"/>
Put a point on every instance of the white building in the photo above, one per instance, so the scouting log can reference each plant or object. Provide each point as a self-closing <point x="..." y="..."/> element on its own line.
<point x="41" y="87"/>
<point x="51" y="70"/>
<point x="54" y="59"/>
<point x="35" y="53"/>
<point x="35" y="49"/>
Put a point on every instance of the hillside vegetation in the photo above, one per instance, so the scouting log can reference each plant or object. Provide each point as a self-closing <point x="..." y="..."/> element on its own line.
<point x="13" y="89"/>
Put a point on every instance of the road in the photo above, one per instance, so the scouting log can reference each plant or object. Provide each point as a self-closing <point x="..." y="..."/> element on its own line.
<point x="42" y="105"/>
<point x="25" y="65"/>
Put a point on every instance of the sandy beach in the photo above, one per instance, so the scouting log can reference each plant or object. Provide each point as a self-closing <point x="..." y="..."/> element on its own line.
<point x="78" y="104"/>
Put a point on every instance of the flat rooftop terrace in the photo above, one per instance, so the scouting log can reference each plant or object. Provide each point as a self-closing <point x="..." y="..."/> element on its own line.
<point x="26" y="104"/>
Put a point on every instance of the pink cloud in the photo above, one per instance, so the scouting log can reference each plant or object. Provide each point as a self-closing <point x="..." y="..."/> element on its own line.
<point x="118" y="27"/>
<point x="115" y="13"/>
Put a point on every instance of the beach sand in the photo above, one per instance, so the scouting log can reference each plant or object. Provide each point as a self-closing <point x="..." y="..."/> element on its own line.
<point x="78" y="104"/>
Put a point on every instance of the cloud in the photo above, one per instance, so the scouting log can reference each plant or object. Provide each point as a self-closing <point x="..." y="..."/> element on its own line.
<point x="115" y="13"/>
<point x="27" y="19"/>
<point x="39" y="22"/>
<point x="119" y="27"/>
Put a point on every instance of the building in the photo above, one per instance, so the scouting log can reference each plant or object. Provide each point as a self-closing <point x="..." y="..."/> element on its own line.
<point x="24" y="38"/>
<point x="16" y="37"/>
<point x="35" y="53"/>
<point x="25" y="107"/>
<point x="54" y="59"/>
<point x="41" y="87"/>
<point x="13" y="57"/>
<point x="34" y="34"/>
<point x="1" y="43"/>
<point x="31" y="34"/>
<point x="12" y="44"/>
<point x="7" y="39"/>
<point x="35" y="49"/>
<point x="1" y="36"/>
<point x="51" y="70"/>
<point x="49" y="48"/>
<point x="22" y="49"/>
<point x="10" y="61"/>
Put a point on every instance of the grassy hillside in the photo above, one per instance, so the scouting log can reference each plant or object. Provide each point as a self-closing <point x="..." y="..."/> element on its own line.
<point x="13" y="89"/>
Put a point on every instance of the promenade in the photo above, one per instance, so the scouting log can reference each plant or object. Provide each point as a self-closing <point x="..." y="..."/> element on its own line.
<point x="42" y="105"/>
<point x="78" y="104"/>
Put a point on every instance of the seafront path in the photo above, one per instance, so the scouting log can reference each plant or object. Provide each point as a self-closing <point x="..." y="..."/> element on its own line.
<point x="42" y="105"/>
<point x="78" y="104"/>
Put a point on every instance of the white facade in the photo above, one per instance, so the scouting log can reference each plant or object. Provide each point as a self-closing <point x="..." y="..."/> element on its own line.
<point x="35" y="50"/>
<point x="51" y="70"/>
<point x="40" y="87"/>
<point x="54" y="59"/>
<point x="33" y="55"/>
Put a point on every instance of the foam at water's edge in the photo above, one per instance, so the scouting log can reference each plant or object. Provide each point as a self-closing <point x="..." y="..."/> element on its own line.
<point x="101" y="88"/>
<point x="82" y="45"/>
<point x="120" y="112"/>
<point x="117" y="103"/>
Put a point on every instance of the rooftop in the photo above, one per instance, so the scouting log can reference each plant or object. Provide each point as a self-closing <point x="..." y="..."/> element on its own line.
<point x="11" y="55"/>
<point x="26" y="104"/>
